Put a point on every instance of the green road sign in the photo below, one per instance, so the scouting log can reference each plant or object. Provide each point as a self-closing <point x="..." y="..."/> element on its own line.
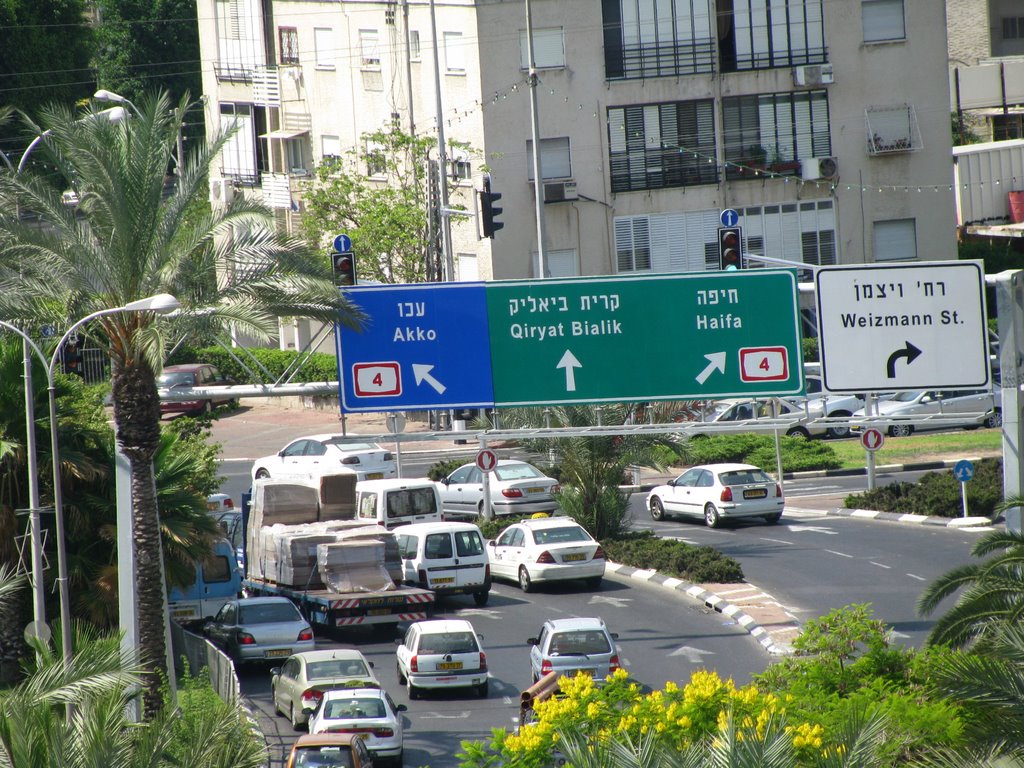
<point x="656" y="337"/>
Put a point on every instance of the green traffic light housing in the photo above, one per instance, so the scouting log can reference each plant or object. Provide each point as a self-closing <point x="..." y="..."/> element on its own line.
<point x="488" y="210"/>
<point x="730" y="248"/>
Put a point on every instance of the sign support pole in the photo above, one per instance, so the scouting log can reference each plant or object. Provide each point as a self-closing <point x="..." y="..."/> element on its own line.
<point x="487" y="511"/>
<point x="963" y="495"/>
<point x="869" y="408"/>
<point x="1010" y="308"/>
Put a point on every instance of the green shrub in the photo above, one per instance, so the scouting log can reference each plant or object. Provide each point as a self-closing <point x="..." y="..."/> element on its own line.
<point x="798" y="454"/>
<point x="442" y="469"/>
<point x="491" y="528"/>
<point x="672" y="557"/>
<point x="319" y="366"/>
<point x="810" y="350"/>
<point x="938" y="494"/>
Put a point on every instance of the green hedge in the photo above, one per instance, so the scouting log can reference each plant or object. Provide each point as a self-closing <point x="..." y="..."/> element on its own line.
<point x="318" y="367"/>
<point x="938" y="494"/>
<point x="798" y="454"/>
<point x="671" y="557"/>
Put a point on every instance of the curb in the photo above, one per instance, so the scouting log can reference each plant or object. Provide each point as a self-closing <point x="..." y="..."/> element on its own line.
<point x="709" y="600"/>
<point x="894" y="517"/>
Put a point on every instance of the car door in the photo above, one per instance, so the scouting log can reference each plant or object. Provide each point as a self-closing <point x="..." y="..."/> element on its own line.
<point x="405" y="648"/>
<point x="223" y="624"/>
<point x="288" y="686"/>
<point x="702" y="492"/>
<point x="508" y="552"/>
<point x="408" y="547"/>
<point x="470" y="559"/>
<point x="677" y="500"/>
<point x="465" y="490"/>
<point x="537" y="651"/>
<point x="293" y="459"/>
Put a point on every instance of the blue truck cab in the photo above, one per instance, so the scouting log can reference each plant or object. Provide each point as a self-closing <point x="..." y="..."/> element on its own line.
<point x="218" y="580"/>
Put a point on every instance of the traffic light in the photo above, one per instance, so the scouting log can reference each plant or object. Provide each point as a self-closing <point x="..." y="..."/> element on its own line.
<point x="488" y="210"/>
<point x="730" y="248"/>
<point x="344" y="268"/>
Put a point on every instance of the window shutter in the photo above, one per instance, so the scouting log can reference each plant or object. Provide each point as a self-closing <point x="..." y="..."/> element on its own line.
<point x="883" y="20"/>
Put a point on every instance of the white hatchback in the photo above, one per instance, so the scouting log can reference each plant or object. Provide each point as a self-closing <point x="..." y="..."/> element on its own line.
<point x="367" y="712"/>
<point x="719" y="491"/>
<point x="547" y="549"/>
<point x="316" y="455"/>
<point x="441" y="653"/>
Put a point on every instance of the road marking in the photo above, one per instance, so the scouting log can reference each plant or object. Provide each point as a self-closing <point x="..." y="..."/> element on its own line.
<point x="693" y="655"/>
<point x="775" y="541"/>
<point x="442" y="716"/>
<point x="618" y="602"/>
<point x="841" y="554"/>
<point x="487" y="613"/>
<point x="812" y="529"/>
<point x="915" y="576"/>
<point x="507" y="700"/>
<point x="683" y="539"/>
<point x="880" y="565"/>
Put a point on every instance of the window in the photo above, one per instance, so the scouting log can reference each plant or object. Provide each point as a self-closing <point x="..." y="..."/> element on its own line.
<point x="548" y="48"/>
<point x="883" y="20"/>
<point x="438" y="545"/>
<point x="216" y="569"/>
<point x="657" y="38"/>
<point x="296" y="155"/>
<point x="376" y="161"/>
<point x="454" y="54"/>
<point x="554" y="159"/>
<point x="288" y="45"/>
<point x="771" y="33"/>
<point x="654" y="146"/>
<point x="773" y="131"/>
<point x="892" y="129"/>
<point x="468" y="543"/>
<point x="561" y="263"/>
<point x="1013" y="27"/>
<point x="1007" y="127"/>
<point x="239" y="157"/>
<point x="323" y="40"/>
<point x="414" y="45"/>
<point x="369" y="53"/>
<point x="781" y="231"/>
<point x="895" y="240"/>
<point x="459" y="165"/>
<point x="239" y="40"/>
<point x="330" y="146"/>
<point x="633" y="244"/>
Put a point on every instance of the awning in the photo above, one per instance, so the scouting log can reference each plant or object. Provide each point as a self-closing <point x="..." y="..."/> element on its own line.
<point x="284" y="133"/>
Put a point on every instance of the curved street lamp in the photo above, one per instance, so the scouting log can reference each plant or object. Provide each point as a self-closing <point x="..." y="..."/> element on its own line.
<point x="161" y="303"/>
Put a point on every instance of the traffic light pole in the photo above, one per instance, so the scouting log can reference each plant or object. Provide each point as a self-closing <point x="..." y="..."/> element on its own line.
<point x="442" y="158"/>
<point x="538" y="180"/>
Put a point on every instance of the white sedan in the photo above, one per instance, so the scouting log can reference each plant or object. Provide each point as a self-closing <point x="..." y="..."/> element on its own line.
<point x="516" y="488"/>
<point x="316" y="455"/>
<point x="367" y="712"/>
<point x="717" y="492"/>
<point x="547" y="549"/>
<point x="301" y="681"/>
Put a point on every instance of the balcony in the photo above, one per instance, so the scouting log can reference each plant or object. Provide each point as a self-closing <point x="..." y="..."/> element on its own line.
<point x="892" y="129"/>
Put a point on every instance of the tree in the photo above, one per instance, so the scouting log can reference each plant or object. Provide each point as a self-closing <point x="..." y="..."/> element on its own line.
<point x="129" y="238"/>
<point x="992" y="592"/>
<point x="378" y="195"/>
<point x="592" y="467"/>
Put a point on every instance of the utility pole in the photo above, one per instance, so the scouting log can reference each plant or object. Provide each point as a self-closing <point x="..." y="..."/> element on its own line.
<point x="442" y="159"/>
<point x="538" y="185"/>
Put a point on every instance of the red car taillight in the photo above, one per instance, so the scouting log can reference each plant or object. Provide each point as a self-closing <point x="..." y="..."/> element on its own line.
<point x="414" y="665"/>
<point x="244" y="638"/>
<point x="306" y="634"/>
<point x="383" y="733"/>
<point x="545" y="667"/>
<point x="613" y="663"/>
<point x="726" y="494"/>
<point x="545" y="557"/>
<point x="487" y="572"/>
<point x="599" y="554"/>
<point x="311" y="697"/>
<point x="483" y="661"/>
<point x="350" y="460"/>
<point x="512" y="493"/>
<point x="778" y="490"/>
<point x="556" y="488"/>
<point x="229" y="504"/>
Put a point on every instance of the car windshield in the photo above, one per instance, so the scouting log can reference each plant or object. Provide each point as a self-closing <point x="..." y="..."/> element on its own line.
<point x="905" y="397"/>
<point x="743" y="476"/>
<point x="566" y="534"/>
<point x="325" y="670"/>
<point x="345" y="445"/>
<point x="516" y="472"/>
<point x="578" y="642"/>
<point x="354" y="709"/>
<point x="267" y="613"/>
<point x="176" y="379"/>
<point x="324" y="757"/>
<point x="448" y="642"/>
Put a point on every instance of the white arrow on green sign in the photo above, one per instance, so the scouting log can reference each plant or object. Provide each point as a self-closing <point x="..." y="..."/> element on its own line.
<point x="653" y="337"/>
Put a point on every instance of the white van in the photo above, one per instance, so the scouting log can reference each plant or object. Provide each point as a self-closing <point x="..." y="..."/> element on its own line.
<point x="449" y="558"/>
<point x="394" y="502"/>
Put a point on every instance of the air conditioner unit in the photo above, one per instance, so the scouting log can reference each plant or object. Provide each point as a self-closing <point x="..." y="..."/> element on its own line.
<point x="813" y="74"/>
<point x="815" y="168"/>
<point x="222" y="191"/>
<point x="559" y="191"/>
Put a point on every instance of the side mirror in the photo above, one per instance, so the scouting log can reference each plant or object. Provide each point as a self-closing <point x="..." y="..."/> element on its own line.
<point x="398" y="641"/>
<point x="371" y="664"/>
<point x="446" y="480"/>
<point x="491" y="543"/>
<point x="532" y="641"/>
<point x="275" y="671"/>
<point x="671" y="482"/>
<point x="615" y="635"/>
<point x="401" y="708"/>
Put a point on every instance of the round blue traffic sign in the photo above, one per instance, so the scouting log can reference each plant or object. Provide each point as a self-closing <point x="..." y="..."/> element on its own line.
<point x="963" y="470"/>
<point x="729" y="218"/>
<point x="343" y="243"/>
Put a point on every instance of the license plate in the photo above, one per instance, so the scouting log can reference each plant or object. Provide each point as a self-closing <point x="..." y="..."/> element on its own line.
<point x="374" y="475"/>
<point x="279" y="653"/>
<point x="446" y="580"/>
<point x="378" y="612"/>
<point x="571" y="558"/>
<point x="212" y="506"/>
<point x="535" y="490"/>
<point x="755" y="493"/>
<point x="574" y="672"/>
<point x="449" y="665"/>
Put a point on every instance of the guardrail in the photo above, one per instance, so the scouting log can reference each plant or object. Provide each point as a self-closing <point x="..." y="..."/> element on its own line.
<point x="200" y="653"/>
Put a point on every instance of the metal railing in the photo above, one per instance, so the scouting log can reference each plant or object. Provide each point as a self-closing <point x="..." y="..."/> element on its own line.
<point x="199" y="653"/>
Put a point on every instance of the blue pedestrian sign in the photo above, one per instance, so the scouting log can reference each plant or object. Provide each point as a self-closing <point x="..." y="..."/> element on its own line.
<point x="963" y="470"/>
<point x="343" y="244"/>
<point x="730" y="218"/>
<point x="424" y="346"/>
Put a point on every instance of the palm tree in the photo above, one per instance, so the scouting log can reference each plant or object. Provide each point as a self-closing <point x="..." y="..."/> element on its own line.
<point x="131" y="236"/>
<point x="993" y="591"/>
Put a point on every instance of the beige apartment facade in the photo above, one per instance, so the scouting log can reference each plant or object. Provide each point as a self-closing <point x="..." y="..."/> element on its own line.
<point x="825" y="125"/>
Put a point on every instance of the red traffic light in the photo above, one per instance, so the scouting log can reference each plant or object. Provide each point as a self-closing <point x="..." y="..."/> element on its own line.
<point x="730" y="248"/>
<point x="344" y="268"/>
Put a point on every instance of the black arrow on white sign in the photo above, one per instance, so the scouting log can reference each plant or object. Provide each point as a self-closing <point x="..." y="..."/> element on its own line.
<point x="909" y="351"/>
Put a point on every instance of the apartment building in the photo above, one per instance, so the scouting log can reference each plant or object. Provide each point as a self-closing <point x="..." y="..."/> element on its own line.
<point x="824" y="124"/>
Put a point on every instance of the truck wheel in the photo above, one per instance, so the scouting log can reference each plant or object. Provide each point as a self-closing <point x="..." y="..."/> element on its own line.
<point x="480" y="598"/>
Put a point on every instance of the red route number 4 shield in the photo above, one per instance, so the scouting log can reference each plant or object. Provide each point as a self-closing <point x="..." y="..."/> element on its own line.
<point x="486" y="460"/>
